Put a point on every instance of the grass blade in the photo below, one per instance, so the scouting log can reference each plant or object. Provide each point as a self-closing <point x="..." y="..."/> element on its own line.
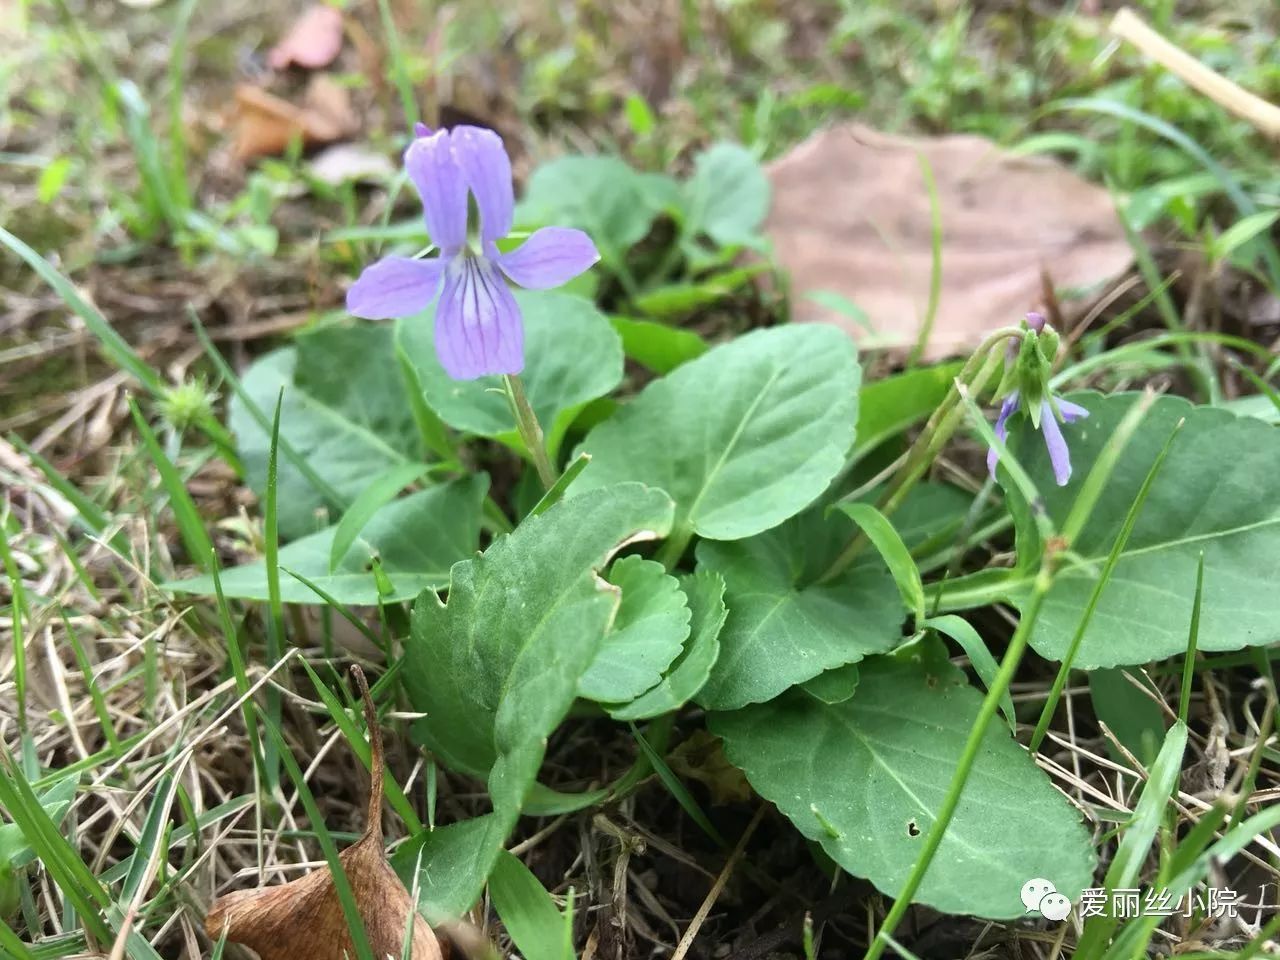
<point x="360" y="747"/>
<point x="984" y="664"/>
<point x="1136" y="843"/>
<point x="1193" y="638"/>
<point x="190" y="524"/>
<point x="534" y="923"/>
<point x="935" y="263"/>
<point x="342" y="886"/>
<point x="79" y="887"/>
<point x="117" y="350"/>
<point x="1090" y="491"/>
<point x="554" y="495"/>
<point x="376" y="495"/>
<point x="677" y="789"/>
<point x="275" y="615"/>
<point x="18" y="606"/>
<point x="893" y="551"/>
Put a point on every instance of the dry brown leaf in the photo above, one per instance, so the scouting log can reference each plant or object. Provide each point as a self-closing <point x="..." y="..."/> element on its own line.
<point x="701" y="757"/>
<point x="303" y="920"/>
<point x="314" y="40"/>
<point x="851" y="215"/>
<point x="265" y="124"/>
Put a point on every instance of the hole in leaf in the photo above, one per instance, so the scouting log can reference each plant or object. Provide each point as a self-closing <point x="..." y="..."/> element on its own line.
<point x="912" y="829"/>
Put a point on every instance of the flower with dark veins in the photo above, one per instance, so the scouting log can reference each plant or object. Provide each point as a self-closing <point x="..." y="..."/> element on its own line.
<point x="478" y="327"/>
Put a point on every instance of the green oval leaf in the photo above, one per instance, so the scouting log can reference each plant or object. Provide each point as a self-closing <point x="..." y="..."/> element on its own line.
<point x="601" y="195"/>
<point x="658" y="346"/>
<point x="345" y="412"/>
<point x="743" y="437"/>
<point x="785" y="628"/>
<point x="728" y="195"/>
<point x="497" y="668"/>
<point x="705" y="592"/>
<point x="865" y="779"/>
<point x="1216" y="493"/>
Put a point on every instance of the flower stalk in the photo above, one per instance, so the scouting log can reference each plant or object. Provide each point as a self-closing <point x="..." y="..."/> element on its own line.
<point x="529" y="428"/>
<point x="976" y="374"/>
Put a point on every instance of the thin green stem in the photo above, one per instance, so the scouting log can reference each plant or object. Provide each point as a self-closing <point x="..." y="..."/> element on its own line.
<point x="1087" y="499"/>
<point x="977" y="371"/>
<point x="935" y="264"/>
<point x="18" y="607"/>
<point x="1189" y="662"/>
<point x="399" y="71"/>
<point x="674" y="547"/>
<point x="530" y="430"/>
<point x="990" y="704"/>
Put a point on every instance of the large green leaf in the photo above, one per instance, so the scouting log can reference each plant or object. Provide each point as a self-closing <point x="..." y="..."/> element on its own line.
<point x="865" y="779"/>
<point x="705" y="592"/>
<point x="647" y="634"/>
<point x="728" y="195"/>
<point x="572" y="356"/>
<point x="496" y="669"/>
<point x="743" y="437"/>
<point x="601" y="195"/>
<point x="345" y="412"/>
<point x="1217" y="493"/>
<point x="785" y="628"/>
<point x="416" y="540"/>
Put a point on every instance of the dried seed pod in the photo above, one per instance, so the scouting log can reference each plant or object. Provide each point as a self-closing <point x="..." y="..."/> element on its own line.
<point x="304" y="918"/>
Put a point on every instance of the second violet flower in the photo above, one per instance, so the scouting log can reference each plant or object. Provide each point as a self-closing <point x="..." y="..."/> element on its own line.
<point x="478" y="327"/>
<point x="1030" y="366"/>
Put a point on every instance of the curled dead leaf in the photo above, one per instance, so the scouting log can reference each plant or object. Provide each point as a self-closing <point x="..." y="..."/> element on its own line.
<point x="314" y="40"/>
<point x="701" y="757"/>
<point x="851" y="215"/>
<point x="304" y="918"/>
<point x="265" y="124"/>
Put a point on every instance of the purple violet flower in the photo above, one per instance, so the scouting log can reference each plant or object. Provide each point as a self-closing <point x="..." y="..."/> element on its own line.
<point x="1059" y="455"/>
<point x="479" y="330"/>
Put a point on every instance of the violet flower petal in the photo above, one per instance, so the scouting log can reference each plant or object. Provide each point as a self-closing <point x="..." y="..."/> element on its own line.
<point x="1059" y="456"/>
<point x="478" y="325"/>
<point x="394" y="287"/>
<point x="1071" y="412"/>
<point x="443" y="188"/>
<point x="487" y="170"/>
<point x="551" y="256"/>
<point x="1001" y="429"/>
